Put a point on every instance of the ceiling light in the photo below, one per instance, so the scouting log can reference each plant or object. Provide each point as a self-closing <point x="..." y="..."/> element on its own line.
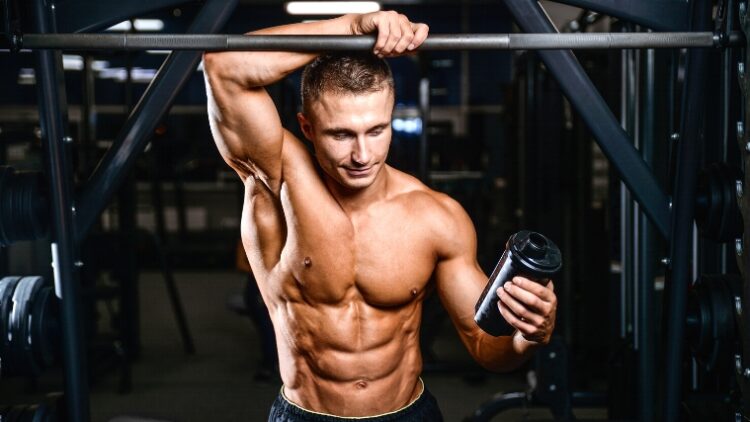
<point x="149" y="24"/>
<point x="26" y="76"/>
<point x="331" y="7"/>
<point x="122" y="26"/>
<point x="72" y="62"/>
<point x="140" y="25"/>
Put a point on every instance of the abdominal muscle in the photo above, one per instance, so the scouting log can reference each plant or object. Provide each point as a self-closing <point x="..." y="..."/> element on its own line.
<point x="349" y="358"/>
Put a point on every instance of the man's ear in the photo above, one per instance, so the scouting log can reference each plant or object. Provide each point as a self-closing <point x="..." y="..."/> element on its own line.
<point x="305" y="126"/>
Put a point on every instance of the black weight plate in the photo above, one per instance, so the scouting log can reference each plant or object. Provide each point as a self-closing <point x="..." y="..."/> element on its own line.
<point x="21" y="355"/>
<point x="7" y="286"/>
<point x="45" y="327"/>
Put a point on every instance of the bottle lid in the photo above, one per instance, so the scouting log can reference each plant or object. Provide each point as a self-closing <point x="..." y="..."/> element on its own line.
<point x="535" y="252"/>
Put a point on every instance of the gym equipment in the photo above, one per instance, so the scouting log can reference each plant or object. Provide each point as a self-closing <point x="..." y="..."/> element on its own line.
<point x="7" y="286"/>
<point x="711" y="326"/>
<point x="29" y="326"/>
<point x="741" y="245"/>
<point x="528" y="254"/>
<point x="549" y="387"/>
<point x="716" y="211"/>
<point x="68" y="227"/>
<point x="22" y="206"/>
<point x="217" y="42"/>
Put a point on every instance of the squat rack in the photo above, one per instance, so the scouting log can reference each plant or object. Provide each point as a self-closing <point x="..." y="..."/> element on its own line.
<point x="73" y="215"/>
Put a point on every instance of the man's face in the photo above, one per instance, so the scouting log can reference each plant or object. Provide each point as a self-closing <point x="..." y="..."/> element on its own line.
<point x="351" y="134"/>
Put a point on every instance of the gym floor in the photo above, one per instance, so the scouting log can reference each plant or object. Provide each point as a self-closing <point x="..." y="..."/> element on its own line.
<point x="217" y="382"/>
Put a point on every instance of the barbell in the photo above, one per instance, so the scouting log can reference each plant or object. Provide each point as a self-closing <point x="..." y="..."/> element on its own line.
<point x="221" y="42"/>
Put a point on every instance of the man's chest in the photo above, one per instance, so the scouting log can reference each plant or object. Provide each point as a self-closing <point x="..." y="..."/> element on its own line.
<point x="386" y="257"/>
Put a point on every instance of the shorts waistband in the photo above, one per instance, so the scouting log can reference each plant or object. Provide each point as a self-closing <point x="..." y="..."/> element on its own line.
<point x="410" y="404"/>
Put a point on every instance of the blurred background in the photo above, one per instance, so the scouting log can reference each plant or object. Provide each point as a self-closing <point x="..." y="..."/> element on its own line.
<point x="174" y="329"/>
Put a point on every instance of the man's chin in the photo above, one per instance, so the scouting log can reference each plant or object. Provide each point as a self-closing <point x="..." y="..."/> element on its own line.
<point x="356" y="184"/>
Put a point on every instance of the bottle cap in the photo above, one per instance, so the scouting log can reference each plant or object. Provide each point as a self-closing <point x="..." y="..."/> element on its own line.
<point x="536" y="253"/>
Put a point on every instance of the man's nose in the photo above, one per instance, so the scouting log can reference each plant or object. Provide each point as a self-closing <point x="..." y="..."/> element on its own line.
<point x="361" y="154"/>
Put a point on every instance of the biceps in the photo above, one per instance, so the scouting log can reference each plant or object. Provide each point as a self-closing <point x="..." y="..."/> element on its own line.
<point x="460" y="282"/>
<point x="247" y="129"/>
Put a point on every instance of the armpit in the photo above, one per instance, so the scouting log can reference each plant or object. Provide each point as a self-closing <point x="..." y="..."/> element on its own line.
<point x="252" y="170"/>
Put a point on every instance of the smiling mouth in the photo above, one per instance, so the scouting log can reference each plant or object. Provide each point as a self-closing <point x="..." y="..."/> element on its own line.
<point x="358" y="172"/>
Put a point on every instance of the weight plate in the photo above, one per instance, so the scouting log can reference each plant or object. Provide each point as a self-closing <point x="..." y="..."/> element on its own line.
<point x="7" y="286"/>
<point x="22" y="359"/>
<point x="45" y="327"/>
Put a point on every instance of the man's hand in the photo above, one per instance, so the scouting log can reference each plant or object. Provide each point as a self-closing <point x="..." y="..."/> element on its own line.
<point x="396" y="34"/>
<point x="529" y="307"/>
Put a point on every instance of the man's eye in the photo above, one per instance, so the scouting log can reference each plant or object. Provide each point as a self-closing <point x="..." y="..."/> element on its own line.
<point x="340" y="136"/>
<point x="376" y="132"/>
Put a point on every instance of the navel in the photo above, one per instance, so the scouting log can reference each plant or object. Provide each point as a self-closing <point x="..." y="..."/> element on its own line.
<point x="361" y="385"/>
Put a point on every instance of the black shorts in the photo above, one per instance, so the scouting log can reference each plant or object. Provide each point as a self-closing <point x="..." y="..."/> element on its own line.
<point x="423" y="409"/>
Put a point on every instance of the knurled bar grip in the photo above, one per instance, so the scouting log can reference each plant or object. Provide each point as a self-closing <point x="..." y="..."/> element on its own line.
<point x="212" y="42"/>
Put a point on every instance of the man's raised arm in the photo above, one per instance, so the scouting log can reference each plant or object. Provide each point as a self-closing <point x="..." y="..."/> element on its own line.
<point x="244" y="121"/>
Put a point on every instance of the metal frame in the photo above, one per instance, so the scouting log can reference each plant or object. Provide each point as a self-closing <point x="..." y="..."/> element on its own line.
<point x="660" y="15"/>
<point x="683" y="212"/>
<point x="69" y="227"/>
<point x="103" y="14"/>
<point x="53" y="113"/>
<point x="635" y="173"/>
<point x="152" y="107"/>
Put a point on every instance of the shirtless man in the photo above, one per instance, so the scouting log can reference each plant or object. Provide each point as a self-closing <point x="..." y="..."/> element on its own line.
<point x="345" y="247"/>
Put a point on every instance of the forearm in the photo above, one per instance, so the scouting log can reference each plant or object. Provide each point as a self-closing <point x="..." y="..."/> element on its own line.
<point x="250" y="69"/>
<point x="501" y="354"/>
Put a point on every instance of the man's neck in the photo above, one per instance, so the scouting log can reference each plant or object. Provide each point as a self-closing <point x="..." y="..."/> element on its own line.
<point x="356" y="200"/>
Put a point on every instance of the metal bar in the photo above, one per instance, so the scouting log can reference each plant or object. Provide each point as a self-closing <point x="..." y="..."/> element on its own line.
<point x="222" y="42"/>
<point x="645" y="336"/>
<point x="595" y="112"/>
<point x="152" y="107"/>
<point x="50" y="88"/>
<point x="684" y="206"/>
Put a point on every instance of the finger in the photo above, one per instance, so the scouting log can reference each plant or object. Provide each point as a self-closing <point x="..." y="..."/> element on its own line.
<point x="522" y="326"/>
<point x="383" y="33"/>
<point x="393" y="37"/>
<point x="407" y="35"/>
<point x="519" y="310"/>
<point x="420" y="34"/>
<point x="529" y="299"/>
<point x="535" y="288"/>
<point x="551" y="286"/>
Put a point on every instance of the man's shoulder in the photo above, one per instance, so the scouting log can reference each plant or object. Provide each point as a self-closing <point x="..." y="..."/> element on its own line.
<point x="426" y="202"/>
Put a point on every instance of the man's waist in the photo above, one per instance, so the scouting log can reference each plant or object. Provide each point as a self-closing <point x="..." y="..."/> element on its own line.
<point x="357" y="403"/>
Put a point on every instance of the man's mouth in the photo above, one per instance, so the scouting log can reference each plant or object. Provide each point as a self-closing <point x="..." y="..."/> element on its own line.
<point x="358" y="172"/>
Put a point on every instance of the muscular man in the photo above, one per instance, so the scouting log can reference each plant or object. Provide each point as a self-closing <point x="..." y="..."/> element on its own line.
<point x="343" y="246"/>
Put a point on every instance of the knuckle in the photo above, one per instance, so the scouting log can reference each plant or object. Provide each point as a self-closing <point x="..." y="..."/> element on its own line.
<point x="538" y="303"/>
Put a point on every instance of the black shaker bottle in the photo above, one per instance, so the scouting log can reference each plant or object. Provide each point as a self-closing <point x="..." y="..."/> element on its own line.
<point x="527" y="254"/>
